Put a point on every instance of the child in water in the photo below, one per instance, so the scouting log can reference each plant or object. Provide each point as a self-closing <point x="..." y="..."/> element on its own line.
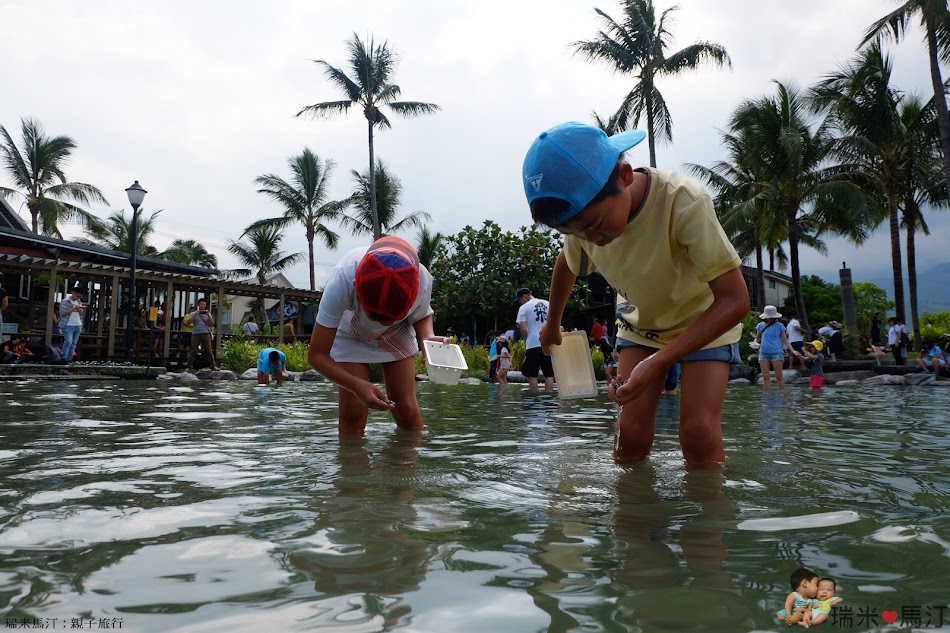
<point x="822" y="603"/>
<point x="814" y="361"/>
<point x="804" y="583"/>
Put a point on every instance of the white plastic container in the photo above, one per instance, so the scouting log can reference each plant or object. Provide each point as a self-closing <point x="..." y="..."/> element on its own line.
<point x="573" y="368"/>
<point x="444" y="362"/>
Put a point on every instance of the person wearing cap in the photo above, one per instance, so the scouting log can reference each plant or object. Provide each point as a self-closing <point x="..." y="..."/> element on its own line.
<point x="772" y="338"/>
<point x="71" y="311"/>
<point x="832" y="332"/>
<point x="532" y="315"/>
<point x="815" y="361"/>
<point x="375" y="309"/>
<point x="655" y="238"/>
<point x="271" y="362"/>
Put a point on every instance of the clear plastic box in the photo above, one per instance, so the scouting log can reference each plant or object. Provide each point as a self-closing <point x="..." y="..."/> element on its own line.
<point x="573" y="368"/>
<point x="444" y="362"/>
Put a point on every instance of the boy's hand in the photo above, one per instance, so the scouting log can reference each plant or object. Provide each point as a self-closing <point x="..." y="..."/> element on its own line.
<point x="643" y="375"/>
<point x="549" y="335"/>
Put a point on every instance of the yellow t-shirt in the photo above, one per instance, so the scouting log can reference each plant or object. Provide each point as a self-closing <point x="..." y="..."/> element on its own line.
<point x="663" y="262"/>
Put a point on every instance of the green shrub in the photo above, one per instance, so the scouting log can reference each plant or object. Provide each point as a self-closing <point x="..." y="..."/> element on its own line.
<point x="239" y="354"/>
<point x="748" y="332"/>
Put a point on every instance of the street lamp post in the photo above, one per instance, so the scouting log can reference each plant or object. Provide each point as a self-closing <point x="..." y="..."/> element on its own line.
<point x="136" y="196"/>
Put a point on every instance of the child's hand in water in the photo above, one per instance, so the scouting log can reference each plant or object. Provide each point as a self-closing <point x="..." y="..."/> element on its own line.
<point x="373" y="397"/>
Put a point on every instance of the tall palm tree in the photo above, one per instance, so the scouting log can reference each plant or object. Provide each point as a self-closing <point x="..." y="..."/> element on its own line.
<point x="638" y="46"/>
<point x="37" y="173"/>
<point x="190" y="252"/>
<point x="743" y="214"/>
<point x="363" y="221"/>
<point x="864" y="105"/>
<point x="934" y="17"/>
<point x="805" y="191"/>
<point x="921" y="183"/>
<point x="369" y="86"/>
<point x="261" y="257"/>
<point x="429" y="245"/>
<point x="304" y="199"/>
<point x="115" y="233"/>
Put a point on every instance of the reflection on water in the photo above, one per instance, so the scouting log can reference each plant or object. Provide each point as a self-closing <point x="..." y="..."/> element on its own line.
<point x="230" y="508"/>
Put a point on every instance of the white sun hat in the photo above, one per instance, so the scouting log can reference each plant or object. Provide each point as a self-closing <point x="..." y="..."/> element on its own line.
<point x="770" y="313"/>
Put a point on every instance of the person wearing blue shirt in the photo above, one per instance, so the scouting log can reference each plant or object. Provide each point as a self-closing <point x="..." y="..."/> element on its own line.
<point x="773" y="341"/>
<point x="271" y="362"/>
<point x="932" y="357"/>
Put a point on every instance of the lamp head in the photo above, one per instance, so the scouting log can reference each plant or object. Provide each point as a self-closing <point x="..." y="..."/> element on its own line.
<point x="136" y="194"/>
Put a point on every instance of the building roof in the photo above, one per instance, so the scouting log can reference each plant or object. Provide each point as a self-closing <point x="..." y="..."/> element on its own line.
<point x="10" y="218"/>
<point x="20" y="242"/>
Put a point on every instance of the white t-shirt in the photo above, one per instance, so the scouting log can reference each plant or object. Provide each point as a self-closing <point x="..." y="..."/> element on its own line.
<point x="251" y="328"/>
<point x="794" y="336"/>
<point x="359" y="339"/>
<point x="533" y="314"/>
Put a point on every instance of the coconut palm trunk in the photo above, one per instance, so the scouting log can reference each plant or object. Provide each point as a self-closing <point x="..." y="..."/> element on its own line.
<point x="372" y="180"/>
<point x="943" y="123"/>
<point x="896" y="264"/>
<point x="759" y="272"/>
<point x="793" y="240"/>
<point x="910" y="217"/>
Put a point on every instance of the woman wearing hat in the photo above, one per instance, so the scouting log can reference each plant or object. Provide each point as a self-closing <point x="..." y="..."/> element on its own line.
<point x="832" y="332"/>
<point x="773" y="341"/>
<point x="375" y="309"/>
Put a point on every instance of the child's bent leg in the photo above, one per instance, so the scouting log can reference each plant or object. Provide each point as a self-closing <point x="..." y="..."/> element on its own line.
<point x="703" y="392"/>
<point x="635" y="424"/>
<point x="353" y="413"/>
<point x="400" y="377"/>
<point x="818" y="618"/>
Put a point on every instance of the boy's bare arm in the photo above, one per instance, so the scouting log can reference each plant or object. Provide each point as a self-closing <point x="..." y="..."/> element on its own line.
<point x="730" y="304"/>
<point x="562" y="281"/>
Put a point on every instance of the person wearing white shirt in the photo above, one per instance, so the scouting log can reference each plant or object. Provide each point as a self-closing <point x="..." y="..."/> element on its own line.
<point x="796" y="340"/>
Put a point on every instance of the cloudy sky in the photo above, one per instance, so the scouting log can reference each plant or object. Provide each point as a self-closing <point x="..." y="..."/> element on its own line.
<point x="195" y="99"/>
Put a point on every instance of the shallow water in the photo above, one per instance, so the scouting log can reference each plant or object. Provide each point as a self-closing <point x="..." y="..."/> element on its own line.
<point x="226" y="507"/>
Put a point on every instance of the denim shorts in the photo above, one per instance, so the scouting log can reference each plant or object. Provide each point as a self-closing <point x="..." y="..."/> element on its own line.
<point x="728" y="353"/>
<point x="773" y="357"/>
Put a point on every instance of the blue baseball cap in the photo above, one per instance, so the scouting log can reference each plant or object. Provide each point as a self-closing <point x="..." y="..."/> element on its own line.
<point x="572" y="162"/>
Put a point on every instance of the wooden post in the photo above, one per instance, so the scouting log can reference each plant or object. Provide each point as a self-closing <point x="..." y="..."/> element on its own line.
<point x="113" y="313"/>
<point x="280" y="336"/>
<point x="169" y="310"/>
<point x="101" y="316"/>
<point x="50" y="306"/>
<point x="219" y="313"/>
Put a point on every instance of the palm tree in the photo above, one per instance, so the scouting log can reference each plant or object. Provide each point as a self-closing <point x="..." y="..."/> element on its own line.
<point x="921" y="183"/>
<point x="369" y="86"/>
<point x="638" y="46"/>
<point x="261" y="257"/>
<point x="429" y="245"/>
<point x="743" y="214"/>
<point x="115" y="233"/>
<point x="363" y="221"/>
<point x="864" y="105"/>
<point x="805" y="193"/>
<point x="304" y="199"/>
<point x="935" y="19"/>
<point x="38" y="176"/>
<point x="191" y="253"/>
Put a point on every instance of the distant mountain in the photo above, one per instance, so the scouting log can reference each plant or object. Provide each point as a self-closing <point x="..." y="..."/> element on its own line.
<point x="933" y="288"/>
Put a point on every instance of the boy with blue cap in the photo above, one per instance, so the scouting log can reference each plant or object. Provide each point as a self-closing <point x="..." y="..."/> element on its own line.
<point x="655" y="238"/>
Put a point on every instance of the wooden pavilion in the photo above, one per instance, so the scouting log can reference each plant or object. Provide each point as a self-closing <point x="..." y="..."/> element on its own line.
<point x="37" y="271"/>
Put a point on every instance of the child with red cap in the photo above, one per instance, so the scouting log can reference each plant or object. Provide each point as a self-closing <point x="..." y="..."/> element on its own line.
<point x="375" y="309"/>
